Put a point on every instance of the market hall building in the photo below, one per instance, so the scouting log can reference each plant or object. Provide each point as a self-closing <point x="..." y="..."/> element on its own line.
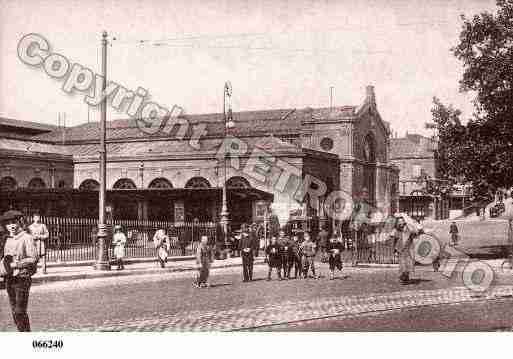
<point x="164" y="176"/>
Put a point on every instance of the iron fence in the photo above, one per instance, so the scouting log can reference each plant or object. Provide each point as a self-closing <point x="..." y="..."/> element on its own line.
<point x="75" y="239"/>
<point x="372" y="245"/>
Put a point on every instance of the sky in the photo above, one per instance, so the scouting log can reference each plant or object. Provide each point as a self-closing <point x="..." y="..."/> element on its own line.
<point x="276" y="54"/>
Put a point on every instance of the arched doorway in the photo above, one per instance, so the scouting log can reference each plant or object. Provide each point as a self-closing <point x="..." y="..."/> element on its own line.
<point x="36" y="183"/>
<point x="89" y="208"/>
<point x="198" y="209"/>
<point x="124" y="207"/>
<point x="8" y="184"/>
<point x="239" y="209"/>
<point x="160" y="208"/>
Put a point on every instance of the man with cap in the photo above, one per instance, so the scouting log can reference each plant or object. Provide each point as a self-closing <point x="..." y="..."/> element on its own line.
<point x="21" y="253"/>
<point x="287" y="254"/>
<point x="247" y="245"/>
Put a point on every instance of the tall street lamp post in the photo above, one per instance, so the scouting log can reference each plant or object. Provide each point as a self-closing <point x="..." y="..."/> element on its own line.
<point x="102" y="260"/>
<point x="228" y="123"/>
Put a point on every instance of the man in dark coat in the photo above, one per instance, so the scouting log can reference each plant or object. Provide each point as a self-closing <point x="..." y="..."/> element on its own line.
<point x="247" y="248"/>
<point x="296" y="250"/>
<point x="287" y="254"/>
<point x="334" y="250"/>
<point x="453" y="231"/>
<point x="254" y="237"/>
<point x="273" y="252"/>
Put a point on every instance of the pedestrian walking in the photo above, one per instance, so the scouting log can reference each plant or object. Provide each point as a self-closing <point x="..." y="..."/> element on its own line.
<point x="287" y="255"/>
<point x="296" y="250"/>
<point x="273" y="252"/>
<point x="39" y="232"/>
<point x="334" y="249"/>
<point x="162" y="246"/>
<point x="247" y="246"/>
<point x="308" y="248"/>
<point x="405" y="231"/>
<point x="19" y="264"/>
<point x="204" y="259"/>
<point x="453" y="231"/>
<point x="119" y="242"/>
<point x="322" y="240"/>
<point x="254" y="237"/>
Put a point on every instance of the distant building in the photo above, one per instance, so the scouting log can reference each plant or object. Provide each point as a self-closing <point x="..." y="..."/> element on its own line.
<point x="422" y="193"/>
<point x="157" y="176"/>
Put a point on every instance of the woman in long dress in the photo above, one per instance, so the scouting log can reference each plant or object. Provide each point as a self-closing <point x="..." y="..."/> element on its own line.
<point x="162" y="246"/>
<point x="119" y="241"/>
<point x="405" y="231"/>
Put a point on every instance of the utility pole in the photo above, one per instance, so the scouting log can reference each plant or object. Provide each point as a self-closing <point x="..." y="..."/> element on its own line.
<point x="227" y="92"/>
<point x="331" y="97"/>
<point x="102" y="260"/>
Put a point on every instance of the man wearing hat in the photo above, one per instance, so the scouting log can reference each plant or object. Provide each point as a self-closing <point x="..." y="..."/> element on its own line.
<point x="247" y="246"/>
<point x="18" y="265"/>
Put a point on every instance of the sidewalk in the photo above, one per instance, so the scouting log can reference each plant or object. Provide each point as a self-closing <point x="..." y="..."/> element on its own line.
<point x="133" y="266"/>
<point x="139" y="266"/>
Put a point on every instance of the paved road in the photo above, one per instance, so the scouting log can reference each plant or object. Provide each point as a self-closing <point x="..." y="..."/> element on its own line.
<point x="483" y="315"/>
<point x="168" y="301"/>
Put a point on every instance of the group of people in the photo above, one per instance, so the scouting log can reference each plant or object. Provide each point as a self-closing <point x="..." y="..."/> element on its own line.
<point x="285" y="253"/>
<point x="24" y="245"/>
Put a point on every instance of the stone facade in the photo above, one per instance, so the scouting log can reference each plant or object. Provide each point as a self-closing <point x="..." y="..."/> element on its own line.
<point x="341" y="148"/>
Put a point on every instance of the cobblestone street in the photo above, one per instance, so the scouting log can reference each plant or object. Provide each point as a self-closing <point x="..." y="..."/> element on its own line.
<point x="169" y="302"/>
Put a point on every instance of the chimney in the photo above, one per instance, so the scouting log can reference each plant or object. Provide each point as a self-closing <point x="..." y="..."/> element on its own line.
<point x="370" y="96"/>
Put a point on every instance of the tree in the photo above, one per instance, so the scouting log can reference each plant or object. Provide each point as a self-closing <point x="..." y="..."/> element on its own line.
<point x="481" y="151"/>
<point x="446" y="122"/>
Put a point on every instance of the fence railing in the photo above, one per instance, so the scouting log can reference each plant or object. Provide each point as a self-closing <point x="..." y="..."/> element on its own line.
<point x="372" y="245"/>
<point x="75" y="239"/>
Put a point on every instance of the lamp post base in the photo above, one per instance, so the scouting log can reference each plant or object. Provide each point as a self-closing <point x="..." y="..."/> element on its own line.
<point x="105" y="266"/>
<point x="102" y="261"/>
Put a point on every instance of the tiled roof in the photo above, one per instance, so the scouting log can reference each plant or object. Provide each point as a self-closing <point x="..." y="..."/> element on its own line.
<point x="277" y="122"/>
<point x="170" y="148"/>
<point x="412" y="145"/>
<point x="30" y="147"/>
<point x="26" y="125"/>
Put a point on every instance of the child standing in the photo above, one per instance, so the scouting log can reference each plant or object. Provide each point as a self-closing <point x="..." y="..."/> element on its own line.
<point x="119" y="241"/>
<point x="453" y="231"/>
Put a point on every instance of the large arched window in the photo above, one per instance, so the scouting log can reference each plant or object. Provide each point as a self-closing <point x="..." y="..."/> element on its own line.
<point x="238" y="182"/>
<point x="160" y="183"/>
<point x="36" y="183"/>
<point x="369" y="149"/>
<point x="89" y="185"/>
<point x="197" y="182"/>
<point x="124" y="183"/>
<point x="8" y="184"/>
